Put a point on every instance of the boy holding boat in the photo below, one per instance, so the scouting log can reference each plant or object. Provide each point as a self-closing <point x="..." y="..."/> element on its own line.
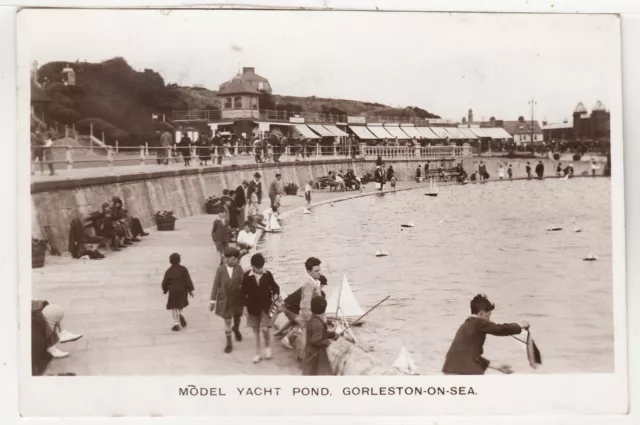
<point x="316" y="361"/>
<point x="291" y="309"/>
<point x="465" y="354"/>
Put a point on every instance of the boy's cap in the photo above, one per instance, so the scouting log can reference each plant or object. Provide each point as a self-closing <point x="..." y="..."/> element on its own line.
<point x="257" y="175"/>
<point x="232" y="252"/>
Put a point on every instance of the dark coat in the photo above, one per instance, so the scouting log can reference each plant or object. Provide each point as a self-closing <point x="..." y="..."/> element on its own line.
<point x="465" y="354"/>
<point x="255" y="188"/>
<point x="227" y="292"/>
<point x="178" y="284"/>
<point x="316" y="361"/>
<point x="185" y="146"/>
<point x="233" y="214"/>
<point x="540" y="170"/>
<point x="220" y="232"/>
<point x="258" y="296"/>
<point x="241" y="200"/>
<point x="378" y="175"/>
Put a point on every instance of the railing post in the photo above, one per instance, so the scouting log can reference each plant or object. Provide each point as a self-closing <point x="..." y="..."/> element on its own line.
<point x="141" y="155"/>
<point x="317" y="149"/>
<point x="91" y="130"/>
<point x="69" y="159"/>
<point x="117" y="145"/>
<point x="66" y="131"/>
<point x="362" y="152"/>
<point x="287" y="150"/>
<point x="110" y="159"/>
<point x="236" y="150"/>
<point x="417" y="151"/>
<point x="146" y="148"/>
<point x="335" y="150"/>
<point x="75" y="133"/>
<point x="103" y="137"/>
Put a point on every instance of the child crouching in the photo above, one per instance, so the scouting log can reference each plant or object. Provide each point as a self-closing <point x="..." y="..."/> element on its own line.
<point x="177" y="282"/>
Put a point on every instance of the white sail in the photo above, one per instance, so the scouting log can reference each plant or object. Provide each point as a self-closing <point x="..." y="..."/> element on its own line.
<point x="404" y="362"/>
<point x="411" y="223"/>
<point x="342" y="302"/>
<point x="273" y="225"/>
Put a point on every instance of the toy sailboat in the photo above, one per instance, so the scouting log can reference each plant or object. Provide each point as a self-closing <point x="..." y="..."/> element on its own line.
<point x="554" y="229"/>
<point x="410" y="224"/>
<point x="273" y="226"/>
<point x="342" y="302"/>
<point x="404" y="363"/>
<point x="306" y="211"/>
<point x="380" y="253"/>
<point x="433" y="188"/>
<point x="576" y="230"/>
<point x="590" y="257"/>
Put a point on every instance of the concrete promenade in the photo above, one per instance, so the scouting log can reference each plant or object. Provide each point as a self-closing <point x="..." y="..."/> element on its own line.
<point x="117" y="304"/>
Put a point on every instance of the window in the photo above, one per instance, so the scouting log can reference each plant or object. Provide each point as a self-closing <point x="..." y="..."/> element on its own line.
<point x="260" y="85"/>
<point x="237" y="102"/>
<point x="227" y="103"/>
<point x="254" y="103"/>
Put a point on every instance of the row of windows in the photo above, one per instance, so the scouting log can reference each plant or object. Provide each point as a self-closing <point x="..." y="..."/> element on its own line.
<point x="236" y="103"/>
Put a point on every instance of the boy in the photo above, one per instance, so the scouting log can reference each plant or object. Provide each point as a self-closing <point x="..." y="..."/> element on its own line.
<point x="307" y="192"/>
<point x="291" y="309"/>
<point x="246" y="238"/>
<point x="259" y="290"/>
<point x="177" y="282"/>
<point x="226" y="296"/>
<point x="465" y="354"/>
<point x="316" y="361"/>
<point x="221" y="234"/>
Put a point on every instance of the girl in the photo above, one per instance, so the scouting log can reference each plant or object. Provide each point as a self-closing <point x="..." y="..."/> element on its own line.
<point x="510" y="172"/>
<point x="501" y="172"/>
<point x="178" y="284"/>
<point x="307" y="192"/>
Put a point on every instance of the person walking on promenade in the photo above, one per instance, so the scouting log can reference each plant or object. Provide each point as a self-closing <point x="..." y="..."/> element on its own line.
<point x="482" y="171"/>
<point x="185" y="149"/>
<point x="307" y="192"/>
<point x="510" y="172"/>
<point x="465" y="354"/>
<point x="241" y="201"/>
<point x="316" y="361"/>
<point x="419" y="174"/>
<point x="164" y="153"/>
<point x="177" y="282"/>
<point x="275" y="189"/>
<point x="500" y="172"/>
<point x="226" y="295"/>
<point x="220" y="234"/>
<point x="310" y="288"/>
<point x="594" y="167"/>
<point x="528" y="170"/>
<point x="255" y="187"/>
<point x="259" y="292"/>
<point x="391" y="176"/>
<point x="378" y="177"/>
<point x="540" y="170"/>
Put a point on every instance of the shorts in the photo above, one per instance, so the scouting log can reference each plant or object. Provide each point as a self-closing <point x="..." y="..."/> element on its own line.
<point x="307" y="196"/>
<point x="256" y="322"/>
<point x="221" y="246"/>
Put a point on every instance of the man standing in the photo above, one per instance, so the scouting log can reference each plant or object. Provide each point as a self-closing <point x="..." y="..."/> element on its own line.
<point x="378" y="177"/>
<point x="310" y="288"/>
<point x="275" y="189"/>
<point x="482" y="171"/>
<point x="528" y="169"/>
<point x="255" y="187"/>
<point x="165" y="148"/>
<point x="540" y="170"/>
<point x="241" y="201"/>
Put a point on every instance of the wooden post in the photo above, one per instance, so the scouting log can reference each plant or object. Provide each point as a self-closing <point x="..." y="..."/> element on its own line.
<point x="69" y="159"/>
<point x="110" y="159"/>
<point x="141" y="155"/>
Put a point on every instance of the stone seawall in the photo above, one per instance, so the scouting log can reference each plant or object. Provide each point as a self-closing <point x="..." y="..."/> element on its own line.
<point x="56" y="203"/>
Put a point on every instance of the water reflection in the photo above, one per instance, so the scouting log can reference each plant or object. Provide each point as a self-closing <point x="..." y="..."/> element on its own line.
<point x="470" y="239"/>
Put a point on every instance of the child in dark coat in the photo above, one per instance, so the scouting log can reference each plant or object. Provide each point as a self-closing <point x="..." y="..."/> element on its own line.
<point x="316" y="361"/>
<point x="178" y="284"/>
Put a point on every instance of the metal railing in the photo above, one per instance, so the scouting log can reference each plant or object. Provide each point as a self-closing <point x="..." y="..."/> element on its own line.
<point x="282" y="115"/>
<point x="71" y="158"/>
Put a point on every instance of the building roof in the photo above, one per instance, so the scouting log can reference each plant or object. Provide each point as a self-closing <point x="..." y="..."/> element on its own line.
<point x="524" y="127"/>
<point x="38" y="94"/>
<point x="557" y="126"/>
<point x="580" y="109"/>
<point x="599" y="106"/>
<point x="237" y="85"/>
<point x="249" y="74"/>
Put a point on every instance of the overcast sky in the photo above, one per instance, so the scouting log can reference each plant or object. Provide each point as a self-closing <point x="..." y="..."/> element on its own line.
<point x="445" y="63"/>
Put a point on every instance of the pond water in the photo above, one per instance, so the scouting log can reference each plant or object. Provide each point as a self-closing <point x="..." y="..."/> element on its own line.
<point x="483" y="238"/>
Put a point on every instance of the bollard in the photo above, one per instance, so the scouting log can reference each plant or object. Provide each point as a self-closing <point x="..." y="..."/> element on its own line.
<point x="69" y="159"/>
<point x="142" y="155"/>
<point x="110" y="159"/>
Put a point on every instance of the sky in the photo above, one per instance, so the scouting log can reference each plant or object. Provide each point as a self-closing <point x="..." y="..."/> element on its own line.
<point x="444" y="63"/>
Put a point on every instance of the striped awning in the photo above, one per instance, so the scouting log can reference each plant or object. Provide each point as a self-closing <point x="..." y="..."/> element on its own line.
<point x="454" y="132"/>
<point x="321" y="130"/>
<point x="440" y="132"/>
<point x="426" y="133"/>
<point x="478" y="132"/>
<point x="306" y="132"/>
<point x="411" y="132"/>
<point x="335" y="130"/>
<point x="379" y="131"/>
<point x="396" y="132"/>
<point x="362" y="132"/>
<point x="468" y="134"/>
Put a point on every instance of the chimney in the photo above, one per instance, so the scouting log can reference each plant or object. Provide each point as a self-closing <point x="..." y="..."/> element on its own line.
<point x="248" y="70"/>
<point x="544" y="123"/>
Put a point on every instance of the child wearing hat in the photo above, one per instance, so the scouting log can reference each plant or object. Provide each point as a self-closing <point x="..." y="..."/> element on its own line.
<point x="177" y="282"/>
<point x="226" y="295"/>
<point x="316" y="361"/>
<point x="307" y="192"/>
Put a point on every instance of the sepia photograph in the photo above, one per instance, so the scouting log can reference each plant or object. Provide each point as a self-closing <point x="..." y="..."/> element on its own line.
<point x="272" y="193"/>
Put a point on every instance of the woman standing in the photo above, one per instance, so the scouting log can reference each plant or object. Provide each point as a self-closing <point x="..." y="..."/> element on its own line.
<point x="185" y="148"/>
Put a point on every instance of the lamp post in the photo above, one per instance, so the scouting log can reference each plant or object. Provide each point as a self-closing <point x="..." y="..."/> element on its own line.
<point x="532" y="102"/>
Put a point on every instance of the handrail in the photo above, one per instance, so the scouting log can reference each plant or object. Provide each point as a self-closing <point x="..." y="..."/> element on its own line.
<point x="74" y="157"/>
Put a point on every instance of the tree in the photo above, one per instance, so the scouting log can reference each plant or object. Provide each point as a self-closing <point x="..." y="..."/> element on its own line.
<point x="464" y="120"/>
<point x="266" y="102"/>
<point x="520" y="118"/>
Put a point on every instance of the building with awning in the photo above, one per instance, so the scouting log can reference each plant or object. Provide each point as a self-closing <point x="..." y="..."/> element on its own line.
<point x="335" y="130"/>
<point x="411" y="131"/>
<point x="440" y="132"/>
<point x="468" y="134"/>
<point x="396" y="131"/>
<point x="305" y="132"/>
<point x="426" y="133"/>
<point x="323" y="132"/>
<point x="362" y="132"/>
<point x="497" y="133"/>
<point x="454" y="133"/>
<point x="478" y="132"/>
<point x="379" y="131"/>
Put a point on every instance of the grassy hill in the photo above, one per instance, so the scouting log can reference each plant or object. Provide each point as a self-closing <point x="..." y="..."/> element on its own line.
<point x="120" y="101"/>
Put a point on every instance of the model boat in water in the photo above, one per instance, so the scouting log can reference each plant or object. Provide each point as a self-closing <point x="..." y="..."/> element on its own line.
<point x="404" y="363"/>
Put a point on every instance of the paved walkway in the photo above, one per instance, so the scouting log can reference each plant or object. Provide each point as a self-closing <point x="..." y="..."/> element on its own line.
<point x="117" y="304"/>
<point x="133" y="166"/>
